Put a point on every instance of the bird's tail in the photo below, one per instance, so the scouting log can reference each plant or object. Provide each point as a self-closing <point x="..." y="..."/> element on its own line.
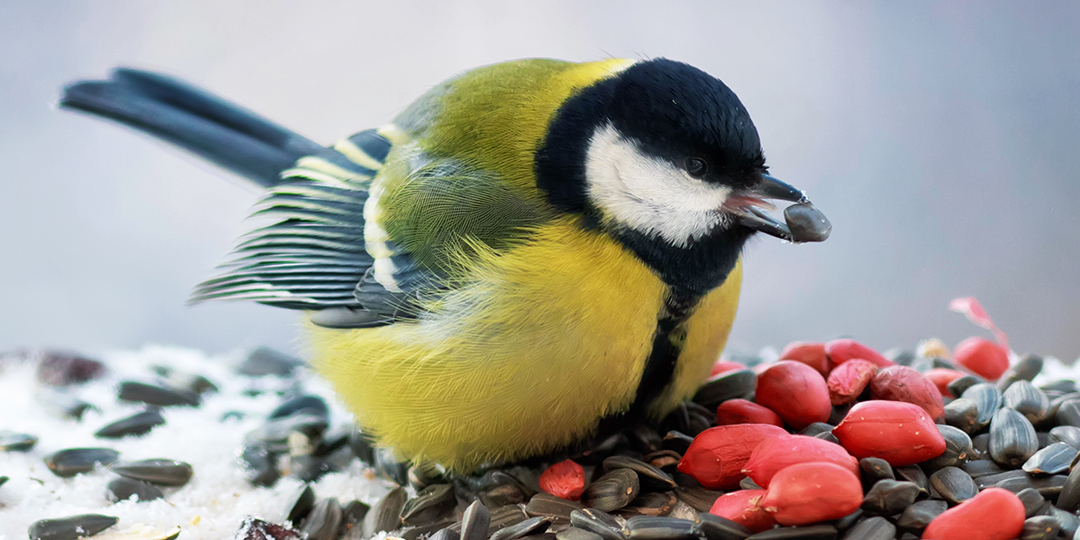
<point x="213" y="128"/>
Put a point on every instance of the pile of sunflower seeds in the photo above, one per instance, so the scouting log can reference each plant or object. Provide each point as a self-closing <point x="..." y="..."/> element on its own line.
<point x="1011" y="434"/>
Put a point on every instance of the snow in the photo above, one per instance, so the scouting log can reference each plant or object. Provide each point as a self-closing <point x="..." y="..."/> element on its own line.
<point x="217" y="499"/>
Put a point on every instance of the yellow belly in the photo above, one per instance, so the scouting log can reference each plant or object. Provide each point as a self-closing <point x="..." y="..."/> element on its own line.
<point x="547" y="338"/>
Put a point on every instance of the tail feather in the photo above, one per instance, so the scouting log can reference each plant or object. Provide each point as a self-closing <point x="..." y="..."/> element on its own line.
<point x="226" y="134"/>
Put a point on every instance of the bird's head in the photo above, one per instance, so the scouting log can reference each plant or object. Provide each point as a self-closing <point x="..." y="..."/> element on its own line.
<point x="666" y="153"/>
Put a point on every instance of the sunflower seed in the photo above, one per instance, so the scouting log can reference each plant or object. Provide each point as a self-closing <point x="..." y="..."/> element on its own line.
<point x="1068" y="413"/>
<point x="748" y="483"/>
<point x="71" y="528"/>
<point x="962" y="414"/>
<point x="574" y="533"/>
<point x="1012" y="438"/>
<point x="850" y="520"/>
<point x="1069" y="435"/>
<point x="1069" y="499"/>
<point x="981" y="467"/>
<point x="163" y="472"/>
<point x="422" y="531"/>
<point x="1064" y="386"/>
<point x="659" y="528"/>
<point x="188" y="381"/>
<point x="1048" y="486"/>
<point x="875" y="528"/>
<point x="651" y="478"/>
<point x="821" y="531"/>
<point x="11" y="441"/>
<point x="3" y="479"/>
<point x="612" y="491"/>
<point x="888" y="497"/>
<point x="302" y="505"/>
<point x="445" y="534"/>
<point x="1024" y="370"/>
<point x="874" y="469"/>
<point x="429" y="505"/>
<point x="1034" y="502"/>
<point x="122" y="489"/>
<point x="476" y="522"/>
<point x="160" y="396"/>
<point x="531" y="526"/>
<point x="1068" y="520"/>
<point x="959" y="386"/>
<point x="916" y="517"/>
<point x="986" y="398"/>
<point x="68" y="463"/>
<point x="546" y="505"/>
<point x="63" y="405"/>
<point x="1053" y="459"/>
<point x="980" y="444"/>
<point x="913" y="474"/>
<point x="136" y="424"/>
<point x="958" y="448"/>
<point x="597" y="522"/>
<point x="677" y="441"/>
<point x="1027" y="400"/>
<point x="988" y="480"/>
<point x="266" y="361"/>
<point x="712" y="527"/>
<point x="729" y="385"/>
<point x="259" y="464"/>
<point x="386" y="514"/>
<point x="324" y="521"/>
<point x="954" y="485"/>
<point x="1040" y="528"/>
<point x="816" y="429"/>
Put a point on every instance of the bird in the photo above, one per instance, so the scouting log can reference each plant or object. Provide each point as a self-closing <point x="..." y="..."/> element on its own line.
<point x="531" y="253"/>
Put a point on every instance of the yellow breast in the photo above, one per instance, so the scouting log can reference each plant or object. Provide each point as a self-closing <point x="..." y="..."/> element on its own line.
<point x="547" y="338"/>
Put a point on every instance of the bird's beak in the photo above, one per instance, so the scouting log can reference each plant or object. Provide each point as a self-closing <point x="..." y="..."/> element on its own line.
<point x="802" y="222"/>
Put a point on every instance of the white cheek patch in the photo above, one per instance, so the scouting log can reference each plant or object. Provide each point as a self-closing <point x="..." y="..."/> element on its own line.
<point x="648" y="194"/>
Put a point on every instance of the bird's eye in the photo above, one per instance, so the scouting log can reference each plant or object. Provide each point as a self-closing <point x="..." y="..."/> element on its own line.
<point x="696" y="167"/>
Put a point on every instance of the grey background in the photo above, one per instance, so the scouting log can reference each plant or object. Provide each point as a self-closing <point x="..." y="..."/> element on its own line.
<point x="942" y="139"/>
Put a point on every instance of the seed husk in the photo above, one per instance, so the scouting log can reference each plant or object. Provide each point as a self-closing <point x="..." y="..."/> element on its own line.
<point x="698" y="498"/>
<point x="651" y="478"/>
<point x="429" y="505"/>
<point x="531" y="526"/>
<point x="71" y="528"/>
<point x="324" y="521"/>
<point x="385" y="515"/>
<point x="546" y="505"/>
<point x="1053" y="459"/>
<point x="958" y="448"/>
<point x="122" y="489"/>
<point x="1012" y="438"/>
<point x="68" y="463"/>
<point x="821" y="531"/>
<point x="574" y="533"/>
<point x="476" y="522"/>
<point x="655" y="503"/>
<point x="712" y="527"/>
<point x="916" y="517"/>
<point x="962" y="414"/>
<point x="163" y="472"/>
<point x="1040" y="528"/>
<point x="888" y="497"/>
<point x="659" y="528"/>
<point x="874" y="469"/>
<point x="612" y="491"/>
<point x="136" y="424"/>
<point x="986" y="397"/>
<point x="875" y="528"/>
<point x="954" y="485"/>
<point x="1027" y="400"/>
<point x="598" y="522"/>
<point x="729" y="385"/>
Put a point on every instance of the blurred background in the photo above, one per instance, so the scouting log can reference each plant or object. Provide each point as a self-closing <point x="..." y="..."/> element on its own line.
<point x="941" y="139"/>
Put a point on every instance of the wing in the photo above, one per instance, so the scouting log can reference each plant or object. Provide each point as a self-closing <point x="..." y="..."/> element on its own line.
<point x="367" y="231"/>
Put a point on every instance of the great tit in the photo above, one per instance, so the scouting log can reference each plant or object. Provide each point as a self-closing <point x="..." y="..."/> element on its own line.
<point x="531" y="250"/>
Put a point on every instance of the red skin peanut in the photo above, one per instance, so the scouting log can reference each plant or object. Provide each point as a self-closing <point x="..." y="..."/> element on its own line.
<point x="993" y="514"/>
<point x="774" y="455"/>
<point x="811" y="354"/>
<point x="901" y="383"/>
<point x="898" y="432"/>
<point x="941" y="378"/>
<point x="743" y="507"/>
<point x="741" y="411"/>
<point x="812" y="492"/>
<point x="565" y="479"/>
<point x="986" y="358"/>
<point x="723" y="366"/>
<point x="849" y="380"/>
<point x="842" y="350"/>
<point x="796" y="392"/>
<point x="717" y="455"/>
